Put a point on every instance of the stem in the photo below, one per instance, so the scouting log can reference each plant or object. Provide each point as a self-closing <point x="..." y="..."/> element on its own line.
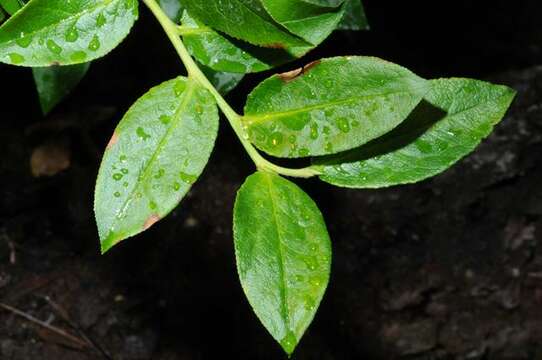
<point x="194" y="72"/>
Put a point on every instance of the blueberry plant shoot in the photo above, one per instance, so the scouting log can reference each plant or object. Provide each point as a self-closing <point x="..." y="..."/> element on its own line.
<point x="360" y="122"/>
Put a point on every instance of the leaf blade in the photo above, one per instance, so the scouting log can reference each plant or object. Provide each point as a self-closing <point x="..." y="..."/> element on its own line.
<point x="157" y="152"/>
<point x="47" y="32"/>
<point x="458" y="115"/>
<point x="221" y="53"/>
<point x="283" y="255"/>
<point x="246" y="20"/>
<point x="56" y="82"/>
<point x="330" y="106"/>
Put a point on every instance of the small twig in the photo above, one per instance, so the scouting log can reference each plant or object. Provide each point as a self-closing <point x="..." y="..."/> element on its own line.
<point x="66" y="317"/>
<point x="54" y="329"/>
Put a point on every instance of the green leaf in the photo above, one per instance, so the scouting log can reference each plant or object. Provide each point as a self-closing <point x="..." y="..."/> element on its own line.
<point x="354" y="17"/>
<point x="172" y="8"/>
<point x="326" y="3"/>
<point x="330" y="106"/>
<point x="283" y="255"/>
<point x="55" y="82"/>
<point x="246" y="20"/>
<point x="224" y="82"/>
<point x="47" y="32"/>
<point x="157" y="152"/>
<point x="222" y="53"/>
<point x="310" y="22"/>
<point x="455" y="116"/>
<point x="11" y="6"/>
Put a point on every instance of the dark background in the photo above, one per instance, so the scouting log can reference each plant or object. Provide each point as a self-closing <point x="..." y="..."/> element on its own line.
<point x="450" y="268"/>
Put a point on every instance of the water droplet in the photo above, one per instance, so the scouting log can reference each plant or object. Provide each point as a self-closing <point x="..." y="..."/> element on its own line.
<point x="79" y="56"/>
<point x="326" y="130"/>
<point x="178" y="88"/>
<point x="24" y="41"/>
<point x="124" y="171"/>
<point x="94" y="44"/>
<point x="53" y="47"/>
<point x="292" y="139"/>
<point x="117" y="176"/>
<point x="15" y="58"/>
<point x="343" y="125"/>
<point x="355" y="123"/>
<point x="116" y="194"/>
<point x="329" y="147"/>
<point x="159" y="174"/>
<point x="423" y="146"/>
<point x="152" y="205"/>
<point x="123" y="158"/>
<point x="164" y="119"/>
<point x="304" y="152"/>
<point x="176" y="186"/>
<point x="100" y="20"/>
<point x="275" y="139"/>
<point x="125" y="184"/>
<point x="199" y="110"/>
<point x="187" y="178"/>
<point x="314" y="131"/>
<point x="142" y="134"/>
<point x="72" y="34"/>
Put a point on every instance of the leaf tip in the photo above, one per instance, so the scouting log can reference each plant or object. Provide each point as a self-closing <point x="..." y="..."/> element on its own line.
<point x="289" y="343"/>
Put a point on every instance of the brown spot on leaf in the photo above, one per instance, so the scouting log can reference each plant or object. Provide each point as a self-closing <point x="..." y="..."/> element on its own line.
<point x="55" y="63"/>
<point x="291" y="75"/>
<point x="153" y="219"/>
<point x="114" y="139"/>
<point x="310" y="66"/>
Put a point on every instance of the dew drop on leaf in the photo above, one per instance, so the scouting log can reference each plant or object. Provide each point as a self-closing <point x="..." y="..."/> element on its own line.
<point x="24" y="41"/>
<point x="142" y="134"/>
<point x="53" y="47"/>
<point x="343" y="125"/>
<point x="72" y="34"/>
<point x="94" y="44"/>
<point x="187" y="178"/>
<point x="164" y="119"/>
<point x="117" y="176"/>
<point x="15" y="58"/>
<point x="78" y="56"/>
<point x="100" y="20"/>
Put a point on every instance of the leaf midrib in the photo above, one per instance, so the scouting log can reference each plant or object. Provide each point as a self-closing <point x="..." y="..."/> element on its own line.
<point x="284" y="290"/>
<point x="187" y="96"/>
<point x="251" y="119"/>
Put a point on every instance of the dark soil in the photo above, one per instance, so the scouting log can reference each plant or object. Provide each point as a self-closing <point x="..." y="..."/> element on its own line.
<point x="450" y="268"/>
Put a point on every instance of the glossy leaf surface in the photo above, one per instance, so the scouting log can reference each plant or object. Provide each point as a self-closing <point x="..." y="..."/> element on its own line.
<point x="222" y="53"/>
<point x="283" y="254"/>
<point x="310" y="22"/>
<point x="55" y="82"/>
<point x="246" y="20"/>
<point x="157" y="152"/>
<point x="330" y="106"/>
<point x="455" y="116"/>
<point x="47" y="32"/>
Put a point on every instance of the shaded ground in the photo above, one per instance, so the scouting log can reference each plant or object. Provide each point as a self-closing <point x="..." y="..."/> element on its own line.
<point x="447" y="269"/>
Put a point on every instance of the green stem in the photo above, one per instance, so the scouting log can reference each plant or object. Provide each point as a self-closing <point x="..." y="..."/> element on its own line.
<point x="194" y="72"/>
